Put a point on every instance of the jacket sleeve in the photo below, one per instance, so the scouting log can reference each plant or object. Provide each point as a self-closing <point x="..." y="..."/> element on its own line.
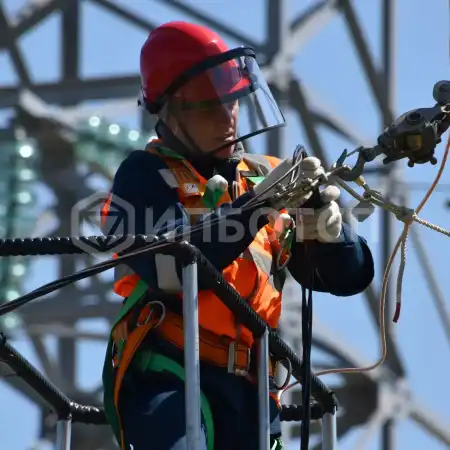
<point x="156" y="209"/>
<point x="343" y="269"/>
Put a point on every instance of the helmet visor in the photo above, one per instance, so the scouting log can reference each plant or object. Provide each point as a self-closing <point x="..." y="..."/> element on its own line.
<point x="231" y="98"/>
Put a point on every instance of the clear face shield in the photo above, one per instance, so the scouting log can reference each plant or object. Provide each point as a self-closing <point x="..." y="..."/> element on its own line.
<point x="223" y="104"/>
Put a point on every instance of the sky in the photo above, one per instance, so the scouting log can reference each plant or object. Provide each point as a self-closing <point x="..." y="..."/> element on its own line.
<point x="329" y="69"/>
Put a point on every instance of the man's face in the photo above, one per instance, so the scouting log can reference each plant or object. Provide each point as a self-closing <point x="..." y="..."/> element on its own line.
<point x="212" y="127"/>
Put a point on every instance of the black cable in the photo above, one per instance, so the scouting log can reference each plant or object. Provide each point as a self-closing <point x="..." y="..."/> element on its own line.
<point x="315" y="203"/>
<point x="72" y="245"/>
<point x="160" y="243"/>
<point x="141" y="243"/>
<point x="307" y="309"/>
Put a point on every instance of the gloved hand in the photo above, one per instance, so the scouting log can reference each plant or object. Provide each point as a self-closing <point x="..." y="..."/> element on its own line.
<point x="325" y="223"/>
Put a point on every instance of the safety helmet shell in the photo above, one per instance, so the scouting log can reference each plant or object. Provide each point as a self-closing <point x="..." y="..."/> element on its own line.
<point x="168" y="54"/>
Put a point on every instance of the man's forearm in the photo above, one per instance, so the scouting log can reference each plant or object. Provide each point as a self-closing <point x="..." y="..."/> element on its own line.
<point x="343" y="269"/>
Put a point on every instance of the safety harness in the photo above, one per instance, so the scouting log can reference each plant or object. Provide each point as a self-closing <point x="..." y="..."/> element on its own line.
<point x="122" y="357"/>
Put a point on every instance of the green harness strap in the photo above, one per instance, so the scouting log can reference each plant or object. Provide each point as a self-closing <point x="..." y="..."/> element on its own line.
<point x="145" y="361"/>
<point x="108" y="369"/>
<point x="156" y="362"/>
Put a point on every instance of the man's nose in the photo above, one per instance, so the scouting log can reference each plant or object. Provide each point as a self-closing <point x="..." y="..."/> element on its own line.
<point x="224" y="113"/>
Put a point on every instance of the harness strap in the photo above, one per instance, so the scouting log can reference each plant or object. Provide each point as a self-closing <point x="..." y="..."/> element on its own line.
<point x="213" y="349"/>
<point x="145" y="360"/>
<point x="151" y="361"/>
<point x="112" y="378"/>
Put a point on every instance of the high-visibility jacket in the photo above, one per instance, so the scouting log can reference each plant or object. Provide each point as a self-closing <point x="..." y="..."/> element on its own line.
<point x="251" y="274"/>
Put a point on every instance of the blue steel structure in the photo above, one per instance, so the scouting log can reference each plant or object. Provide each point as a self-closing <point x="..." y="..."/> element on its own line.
<point x="62" y="161"/>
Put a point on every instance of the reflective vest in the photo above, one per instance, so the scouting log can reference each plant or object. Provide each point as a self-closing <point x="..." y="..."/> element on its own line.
<point x="251" y="274"/>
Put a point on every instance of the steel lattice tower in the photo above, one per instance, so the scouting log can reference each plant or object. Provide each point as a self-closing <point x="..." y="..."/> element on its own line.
<point x="378" y="395"/>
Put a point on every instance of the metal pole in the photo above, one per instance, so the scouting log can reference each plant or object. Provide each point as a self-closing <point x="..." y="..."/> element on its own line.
<point x="329" y="435"/>
<point x="63" y="434"/>
<point x="388" y="51"/>
<point x="191" y="357"/>
<point x="263" y="392"/>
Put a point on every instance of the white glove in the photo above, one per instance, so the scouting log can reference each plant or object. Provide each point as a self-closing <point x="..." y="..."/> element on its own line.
<point x="324" y="224"/>
<point x="311" y="167"/>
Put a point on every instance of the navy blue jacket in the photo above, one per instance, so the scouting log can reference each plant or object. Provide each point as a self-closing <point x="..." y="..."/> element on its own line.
<point x="343" y="269"/>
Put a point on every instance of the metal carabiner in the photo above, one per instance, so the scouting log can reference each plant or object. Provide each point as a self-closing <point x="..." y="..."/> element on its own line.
<point x="150" y="314"/>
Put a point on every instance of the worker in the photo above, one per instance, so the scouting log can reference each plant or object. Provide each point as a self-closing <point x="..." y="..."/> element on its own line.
<point x="194" y="172"/>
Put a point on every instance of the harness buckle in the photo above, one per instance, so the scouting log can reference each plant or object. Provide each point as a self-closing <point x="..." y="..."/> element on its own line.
<point x="232" y="352"/>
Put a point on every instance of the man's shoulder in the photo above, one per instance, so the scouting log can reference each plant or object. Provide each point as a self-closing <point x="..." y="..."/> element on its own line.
<point x="142" y="159"/>
<point x="141" y="172"/>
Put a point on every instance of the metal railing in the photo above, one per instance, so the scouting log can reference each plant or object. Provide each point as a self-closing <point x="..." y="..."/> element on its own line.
<point x="193" y="261"/>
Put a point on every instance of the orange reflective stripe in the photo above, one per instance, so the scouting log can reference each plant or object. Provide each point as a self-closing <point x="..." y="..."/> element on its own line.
<point x="275" y="397"/>
<point x="125" y="286"/>
<point x="212" y="347"/>
<point x="105" y="210"/>
<point x="202" y="179"/>
<point x="133" y="342"/>
<point x="273" y="160"/>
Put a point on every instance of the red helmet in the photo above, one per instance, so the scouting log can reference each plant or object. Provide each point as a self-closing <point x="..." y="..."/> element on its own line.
<point x="193" y="64"/>
<point x="171" y="51"/>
